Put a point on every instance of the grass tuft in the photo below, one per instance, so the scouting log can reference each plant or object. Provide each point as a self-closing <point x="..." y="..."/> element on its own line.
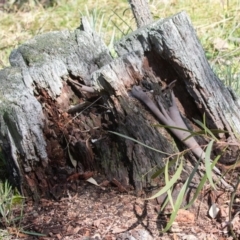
<point x="217" y="23"/>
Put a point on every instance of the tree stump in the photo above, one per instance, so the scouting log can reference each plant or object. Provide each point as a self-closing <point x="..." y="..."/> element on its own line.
<point x="43" y="135"/>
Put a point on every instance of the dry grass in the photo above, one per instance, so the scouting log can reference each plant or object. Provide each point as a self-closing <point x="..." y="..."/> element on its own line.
<point x="20" y="26"/>
<point x="217" y="23"/>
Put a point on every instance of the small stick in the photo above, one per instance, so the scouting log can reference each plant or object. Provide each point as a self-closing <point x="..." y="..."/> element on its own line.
<point x="83" y="87"/>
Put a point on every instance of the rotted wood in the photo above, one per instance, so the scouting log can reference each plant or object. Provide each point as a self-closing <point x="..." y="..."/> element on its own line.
<point x="38" y="135"/>
<point x="199" y="91"/>
<point x="136" y="162"/>
<point x="52" y="126"/>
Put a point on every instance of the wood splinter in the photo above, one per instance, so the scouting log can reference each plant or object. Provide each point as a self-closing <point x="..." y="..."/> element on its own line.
<point x="83" y="87"/>
<point x="172" y="117"/>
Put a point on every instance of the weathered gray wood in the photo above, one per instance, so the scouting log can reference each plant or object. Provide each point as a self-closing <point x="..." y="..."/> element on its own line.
<point x="174" y="40"/>
<point x="37" y="133"/>
<point x="21" y="123"/>
<point x="136" y="163"/>
<point x="141" y="12"/>
<point x="42" y="63"/>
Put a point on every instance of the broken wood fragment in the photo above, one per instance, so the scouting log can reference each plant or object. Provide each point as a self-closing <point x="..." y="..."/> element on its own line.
<point x="37" y="94"/>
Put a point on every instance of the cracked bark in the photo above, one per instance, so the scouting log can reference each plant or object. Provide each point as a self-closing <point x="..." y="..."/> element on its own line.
<point x="36" y="96"/>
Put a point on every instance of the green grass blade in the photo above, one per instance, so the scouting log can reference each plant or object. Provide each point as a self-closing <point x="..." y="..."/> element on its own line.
<point x="202" y="182"/>
<point x="33" y="233"/>
<point x="73" y="161"/>
<point x="215" y="131"/>
<point x="195" y="133"/>
<point x="207" y="131"/>
<point x="170" y="199"/>
<point x="173" y="127"/>
<point x="167" y="182"/>
<point x="170" y="183"/>
<point x="16" y="219"/>
<point x="169" y="194"/>
<point x="178" y="204"/>
<point x="134" y="140"/>
<point x="179" y="200"/>
<point x="204" y="121"/>
<point x="199" y="188"/>
<point x="111" y="43"/>
<point x="164" y="204"/>
<point x="161" y="170"/>
<point x="2" y="211"/>
<point x="100" y="28"/>
<point x="208" y="163"/>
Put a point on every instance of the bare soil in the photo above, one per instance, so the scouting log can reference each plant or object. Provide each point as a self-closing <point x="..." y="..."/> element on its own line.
<point x="88" y="212"/>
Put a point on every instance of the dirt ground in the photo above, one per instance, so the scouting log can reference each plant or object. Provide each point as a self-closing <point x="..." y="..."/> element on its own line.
<point x="78" y="209"/>
<point x="90" y="212"/>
